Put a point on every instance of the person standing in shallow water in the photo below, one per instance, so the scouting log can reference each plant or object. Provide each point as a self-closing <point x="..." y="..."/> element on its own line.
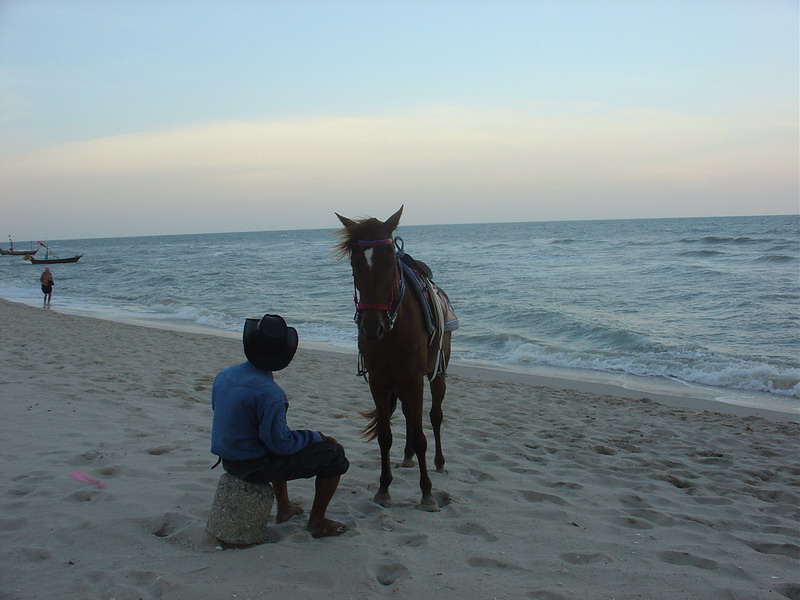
<point x="250" y="436"/>
<point x="47" y="284"/>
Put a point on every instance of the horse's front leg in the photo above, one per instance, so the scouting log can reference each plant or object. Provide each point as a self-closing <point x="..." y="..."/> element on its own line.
<point x="382" y="496"/>
<point x="384" y="407"/>
<point x="412" y="409"/>
<point x="428" y="502"/>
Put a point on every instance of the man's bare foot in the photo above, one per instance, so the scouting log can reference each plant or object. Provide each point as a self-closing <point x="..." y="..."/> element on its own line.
<point x="326" y="528"/>
<point x="285" y="515"/>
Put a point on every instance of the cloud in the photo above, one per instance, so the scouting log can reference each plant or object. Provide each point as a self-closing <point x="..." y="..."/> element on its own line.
<point x="458" y="158"/>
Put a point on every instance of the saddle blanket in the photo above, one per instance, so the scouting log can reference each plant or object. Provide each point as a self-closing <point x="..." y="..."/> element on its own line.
<point x="422" y="285"/>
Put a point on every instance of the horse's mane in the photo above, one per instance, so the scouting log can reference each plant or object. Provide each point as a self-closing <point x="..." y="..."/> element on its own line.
<point x="359" y="230"/>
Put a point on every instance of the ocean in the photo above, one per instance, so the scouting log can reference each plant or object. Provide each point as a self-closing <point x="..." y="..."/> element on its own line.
<point x="700" y="304"/>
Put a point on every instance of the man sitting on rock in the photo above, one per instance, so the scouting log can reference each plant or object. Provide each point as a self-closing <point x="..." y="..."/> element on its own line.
<point x="249" y="431"/>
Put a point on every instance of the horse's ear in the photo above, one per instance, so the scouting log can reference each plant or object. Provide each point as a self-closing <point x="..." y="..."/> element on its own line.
<point x="345" y="221"/>
<point x="392" y="222"/>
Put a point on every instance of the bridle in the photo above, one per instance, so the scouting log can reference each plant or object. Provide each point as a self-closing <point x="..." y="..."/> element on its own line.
<point x="398" y="283"/>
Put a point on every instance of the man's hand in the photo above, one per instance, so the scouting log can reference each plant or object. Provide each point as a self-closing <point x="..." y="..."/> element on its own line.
<point x="326" y="438"/>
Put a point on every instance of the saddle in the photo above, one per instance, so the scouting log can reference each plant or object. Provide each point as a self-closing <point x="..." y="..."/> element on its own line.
<point x="437" y="312"/>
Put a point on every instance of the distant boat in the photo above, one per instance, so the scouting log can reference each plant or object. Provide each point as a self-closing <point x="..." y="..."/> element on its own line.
<point x="13" y="252"/>
<point x="50" y="261"/>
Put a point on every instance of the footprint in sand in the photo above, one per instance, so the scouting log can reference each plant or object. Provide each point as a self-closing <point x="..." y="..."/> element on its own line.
<point x="167" y="524"/>
<point x="415" y="540"/>
<point x="110" y="471"/>
<point x="81" y="496"/>
<point x="532" y="496"/>
<point x="546" y="595"/>
<point x="389" y="572"/>
<point x="676" y="481"/>
<point x="485" y="562"/>
<point x="570" y="485"/>
<point x="159" y="450"/>
<point x="86" y="458"/>
<point x="21" y="490"/>
<point x="787" y="549"/>
<point x="789" y="590"/>
<point x="634" y="501"/>
<point x="489" y="457"/>
<point x="151" y="582"/>
<point x="443" y="499"/>
<point x="653" y="516"/>
<point x="31" y="554"/>
<point x="687" y="559"/>
<point x="137" y="433"/>
<point x="574" y="558"/>
<point x="481" y="475"/>
<point x="631" y="522"/>
<point x="712" y="500"/>
<point x="475" y="530"/>
<point x="13" y="524"/>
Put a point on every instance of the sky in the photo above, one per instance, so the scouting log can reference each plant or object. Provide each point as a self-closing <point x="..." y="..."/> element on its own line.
<point x="150" y="117"/>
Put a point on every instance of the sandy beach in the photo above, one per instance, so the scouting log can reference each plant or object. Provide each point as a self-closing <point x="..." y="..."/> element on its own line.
<point x="550" y="493"/>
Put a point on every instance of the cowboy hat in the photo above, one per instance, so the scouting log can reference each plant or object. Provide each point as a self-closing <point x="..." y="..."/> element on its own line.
<point x="269" y="344"/>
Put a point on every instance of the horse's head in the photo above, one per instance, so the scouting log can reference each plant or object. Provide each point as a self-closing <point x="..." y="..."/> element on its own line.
<point x="368" y="242"/>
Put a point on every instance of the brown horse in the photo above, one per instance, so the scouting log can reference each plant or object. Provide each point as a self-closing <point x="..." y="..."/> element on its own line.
<point x="396" y="349"/>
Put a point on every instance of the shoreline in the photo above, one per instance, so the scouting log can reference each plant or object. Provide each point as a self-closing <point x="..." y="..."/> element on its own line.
<point x="680" y="394"/>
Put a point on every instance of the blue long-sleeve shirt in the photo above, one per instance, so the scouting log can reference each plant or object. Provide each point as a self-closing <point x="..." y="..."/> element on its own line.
<point x="250" y="416"/>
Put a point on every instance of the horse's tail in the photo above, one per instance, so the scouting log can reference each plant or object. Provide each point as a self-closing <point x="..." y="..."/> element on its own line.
<point x="370" y="432"/>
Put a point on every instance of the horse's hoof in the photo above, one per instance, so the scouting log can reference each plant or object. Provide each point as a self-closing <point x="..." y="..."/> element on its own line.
<point x="383" y="498"/>
<point x="429" y="504"/>
<point x="407" y="462"/>
<point x="441" y="470"/>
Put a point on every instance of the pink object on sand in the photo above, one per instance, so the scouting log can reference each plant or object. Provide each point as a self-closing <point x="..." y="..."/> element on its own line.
<point x="85" y="478"/>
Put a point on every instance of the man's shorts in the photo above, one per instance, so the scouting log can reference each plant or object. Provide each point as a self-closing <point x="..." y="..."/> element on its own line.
<point x="325" y="460"/>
